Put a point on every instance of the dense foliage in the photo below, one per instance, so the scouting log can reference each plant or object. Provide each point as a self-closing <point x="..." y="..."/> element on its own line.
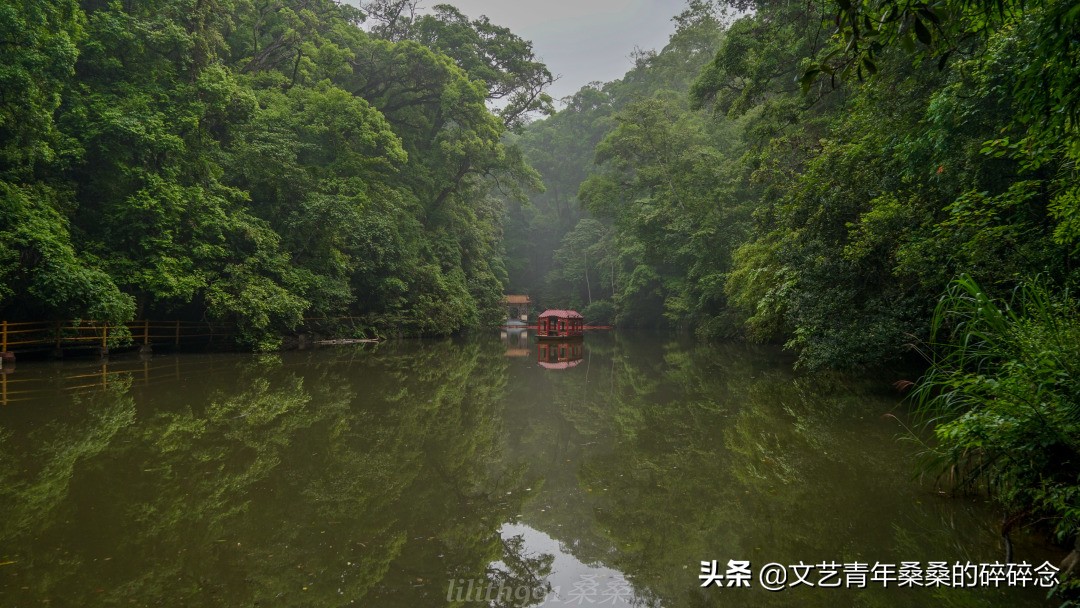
<point x="1005" y="399"/>
<point x="766" y="176"/>
<point x="818" y="180"/>
<point x="255" y="162"/>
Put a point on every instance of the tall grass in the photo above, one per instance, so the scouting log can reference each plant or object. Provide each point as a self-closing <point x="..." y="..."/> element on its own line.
<point x="1003" y="398"/>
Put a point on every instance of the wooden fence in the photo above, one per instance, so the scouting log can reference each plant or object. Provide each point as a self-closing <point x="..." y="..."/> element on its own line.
<point x="91" y="375"/>
<point x="39" y="336"/>
<point x="60" y="335"/>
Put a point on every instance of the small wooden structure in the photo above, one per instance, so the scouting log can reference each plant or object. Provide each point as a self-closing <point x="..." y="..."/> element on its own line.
<point x="517" y="307"/>
<point x="560" y="324"/>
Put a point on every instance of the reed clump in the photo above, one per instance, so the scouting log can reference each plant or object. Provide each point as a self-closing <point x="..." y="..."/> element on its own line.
<point x="1002" y="396"/>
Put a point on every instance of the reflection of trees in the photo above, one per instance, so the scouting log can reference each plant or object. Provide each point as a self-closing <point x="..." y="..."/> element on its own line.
<point x="690" y="453"/>
<point x="38" y="470"/>
<point x="286" y="481"/>
<point x="378" y="477"/>
<point x="524" y="573"/>
<point x="35" y="482"/>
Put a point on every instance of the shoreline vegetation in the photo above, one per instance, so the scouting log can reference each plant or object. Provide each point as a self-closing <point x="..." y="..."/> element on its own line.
<point x="862" y="182"/>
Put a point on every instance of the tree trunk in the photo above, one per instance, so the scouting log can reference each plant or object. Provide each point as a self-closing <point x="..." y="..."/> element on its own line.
<point x="588" y="288"/>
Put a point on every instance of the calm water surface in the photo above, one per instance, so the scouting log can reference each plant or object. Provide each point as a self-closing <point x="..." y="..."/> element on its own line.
<point x="451" y="473"/>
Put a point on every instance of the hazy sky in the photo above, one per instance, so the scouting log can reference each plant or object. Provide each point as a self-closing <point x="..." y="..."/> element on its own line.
<point x="580" y="40"/>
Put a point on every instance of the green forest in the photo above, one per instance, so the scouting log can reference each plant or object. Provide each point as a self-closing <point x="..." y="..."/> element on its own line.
<point x="861" y="181"/>
<point x="258" y="163"/>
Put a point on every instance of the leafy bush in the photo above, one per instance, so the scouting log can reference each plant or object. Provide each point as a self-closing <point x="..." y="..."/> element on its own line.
<point x="600" y="312"/>
<point x="1004" y="398"/>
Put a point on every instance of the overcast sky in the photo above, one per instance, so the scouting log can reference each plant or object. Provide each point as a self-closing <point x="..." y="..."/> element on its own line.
<point x="580" y="40"/>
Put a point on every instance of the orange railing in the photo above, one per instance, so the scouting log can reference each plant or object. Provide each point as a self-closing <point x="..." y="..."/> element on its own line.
<point x="35" y="335"/>
<point x="60" y="335"/>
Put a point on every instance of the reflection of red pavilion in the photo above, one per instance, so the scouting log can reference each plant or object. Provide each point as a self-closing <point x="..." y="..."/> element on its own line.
<point x="558" y="355"/>
<point x="560" y="324"/>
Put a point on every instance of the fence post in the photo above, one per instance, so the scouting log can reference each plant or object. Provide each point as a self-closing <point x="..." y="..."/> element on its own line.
<point x="58" y="353"/>
<point x="104" y="350"/>
<point x="4" y="354"/>
<point x="178" y="332"/>
<point x="145" y="349"/>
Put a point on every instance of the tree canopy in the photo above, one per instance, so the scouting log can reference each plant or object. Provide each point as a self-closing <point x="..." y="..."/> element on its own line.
<point x="257" y="163"/>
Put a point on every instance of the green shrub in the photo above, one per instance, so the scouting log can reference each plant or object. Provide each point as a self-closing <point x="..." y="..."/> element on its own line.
<point x="1003" y="397"/>
<point x="600" y="312"/>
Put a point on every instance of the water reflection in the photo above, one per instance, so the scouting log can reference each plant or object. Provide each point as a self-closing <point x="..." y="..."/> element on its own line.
<point x="559" y="355"/>
<point x="516" y="339"/>
<point x="393" y="475"/>
<point x="4" y="371"/>
<point x="570" y="581"/>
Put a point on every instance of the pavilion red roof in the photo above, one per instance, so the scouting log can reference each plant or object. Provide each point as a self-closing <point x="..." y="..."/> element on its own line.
<point x="563" y="314"/>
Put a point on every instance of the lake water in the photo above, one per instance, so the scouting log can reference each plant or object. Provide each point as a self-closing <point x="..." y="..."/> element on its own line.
<point x="471" y="472"/>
